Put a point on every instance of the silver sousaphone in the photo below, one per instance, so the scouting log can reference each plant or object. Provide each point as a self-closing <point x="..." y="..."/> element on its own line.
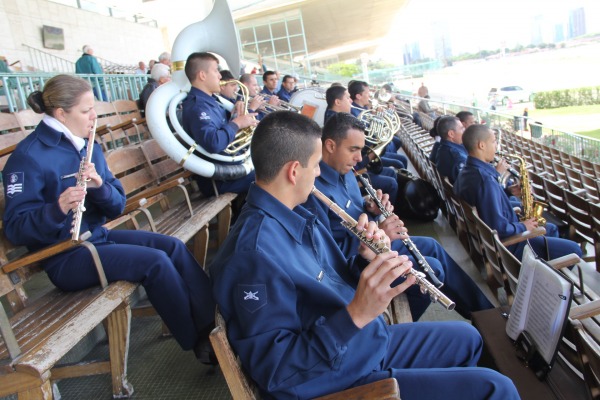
<point x="216" y="34"/>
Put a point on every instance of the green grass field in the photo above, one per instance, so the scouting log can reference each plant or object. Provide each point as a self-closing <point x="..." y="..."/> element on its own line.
<point x="583" y="120"/>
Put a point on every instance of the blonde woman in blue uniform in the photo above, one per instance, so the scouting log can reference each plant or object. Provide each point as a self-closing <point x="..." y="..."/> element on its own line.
<point x="41" y="192"/>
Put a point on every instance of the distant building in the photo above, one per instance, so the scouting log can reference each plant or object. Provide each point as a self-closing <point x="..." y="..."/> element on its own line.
<point x="577" y="22"/>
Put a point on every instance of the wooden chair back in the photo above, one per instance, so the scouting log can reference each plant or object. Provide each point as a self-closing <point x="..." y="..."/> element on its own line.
<point x="129" y="165"/>
<point x="589" y="353"/>
<point x="476" y="247"/>
<point x="581" y="226"/>
<point x="495" y="273"/>
<point x="556" y="199"/>
<point x="239" y="383"/>
<point x="595" y="213"/>
<point x="242" y="388"/>
<point x="511" y="266"/>
<point x="28" y="119"/>
<point x="9" y="123"/>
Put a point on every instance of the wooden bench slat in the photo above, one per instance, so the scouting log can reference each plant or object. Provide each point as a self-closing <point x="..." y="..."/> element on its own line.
<point x="55" y="347"/>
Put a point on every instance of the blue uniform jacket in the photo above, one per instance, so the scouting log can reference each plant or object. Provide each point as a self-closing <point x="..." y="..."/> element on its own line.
<point x="450" y="159"/>
<point x="35" y="176"/>
<point x="281" y="284"/>
<point x="328" y="114"/>
<point x="344" y="191"/>
<point x="434" y="151"/>
<point x="356" y="109"/>
<point x="478" y="185"/>
<point x="206" y="122"/>
<point x="268" y="93"/>
<point x="284" y="95"/>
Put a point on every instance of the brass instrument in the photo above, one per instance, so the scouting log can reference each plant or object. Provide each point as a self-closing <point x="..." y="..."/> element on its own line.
<point x="78" y="211"/>
<point x="379" y="247"/>
<point x="243" y="137"/>
<point x="410" y="245"/>
<point x="378" y="129"/>
<point x="283" y="106"/>
<point x="531" y="208"/>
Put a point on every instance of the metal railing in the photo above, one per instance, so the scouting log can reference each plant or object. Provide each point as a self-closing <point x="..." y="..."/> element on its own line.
<point x="44" y="61"/>
<point x="581" y="146"/>
<point x="15" y="87"/>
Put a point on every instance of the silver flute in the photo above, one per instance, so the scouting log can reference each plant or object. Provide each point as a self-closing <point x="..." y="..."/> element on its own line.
<point x="379" y="247"/>
<point x="78" y="211"/>
<point x="410" y="245"/>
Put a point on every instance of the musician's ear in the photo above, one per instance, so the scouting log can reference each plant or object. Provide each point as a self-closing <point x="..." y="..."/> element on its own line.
<point x="60" y="115"/>
<point x="329" y="146"/>
<point x="292" y="171"/>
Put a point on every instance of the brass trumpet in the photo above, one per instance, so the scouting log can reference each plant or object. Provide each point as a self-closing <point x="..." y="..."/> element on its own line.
<point x="243" y="137"/>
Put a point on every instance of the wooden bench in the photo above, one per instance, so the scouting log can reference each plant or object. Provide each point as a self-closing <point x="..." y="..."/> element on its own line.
<point x="242" y="387"/>
<point x="38" y="332"/>
<point x="185" y="214"/>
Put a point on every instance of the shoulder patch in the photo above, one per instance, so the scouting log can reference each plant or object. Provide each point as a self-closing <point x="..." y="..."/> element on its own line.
<point x="251" y="297"/>
<point x="204" y="116"/>
<point x="15" y="184"/>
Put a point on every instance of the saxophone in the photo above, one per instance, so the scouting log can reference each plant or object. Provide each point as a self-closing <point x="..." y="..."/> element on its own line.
<point x="380" y="247"/>
<point x="410" y="245"/>
<point x="531" y="208"/>
<point x="78" y="211"/>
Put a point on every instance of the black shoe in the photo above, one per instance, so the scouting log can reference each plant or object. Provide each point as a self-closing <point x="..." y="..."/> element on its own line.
<point x="205" y="353"/>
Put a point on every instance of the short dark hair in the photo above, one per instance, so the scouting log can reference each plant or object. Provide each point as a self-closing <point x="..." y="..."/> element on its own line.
<point x="445" y="125"/>
<point x="245" y="78"/>
<point x="226" y="75"/>
<point x="281" y="137"/>
<point x="336" y="128"/>
<point x="267" y="74"/>
<point x="473" y="135"/>
<point x="287" y="77"/>
<point x="463" y="115"/>
<point x="197" y="62"/>
<point x="334" y="93"/>
<point x="356" y="87"/>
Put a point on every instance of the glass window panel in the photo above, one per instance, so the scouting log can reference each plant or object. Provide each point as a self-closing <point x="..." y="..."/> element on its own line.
<point x="294" y="27"/>
<point x="249" y="50"/>
<point x="262" y="33"/>
<point x="247" y="35"/>
<point x="278" y="30"/>
<point x="281" y="46"/>
<point x="297" y="43"/>
<point x="266" y="49"/>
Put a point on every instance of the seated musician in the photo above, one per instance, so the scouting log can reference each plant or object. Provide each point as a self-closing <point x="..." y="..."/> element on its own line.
<point x="478" y="185"/>
<point x="384" y="178"/>
<point x="361" y="101"/>
<point x="270" y="84"/>
<point x="451" y="154"/>
<point x="343" y="138"/>
<point x="300" y="324"/>
<point x="41" y="192"/>
<point x="205" y="120"/>
<point x="287" y="88"/>
<point x="258" y="100"/>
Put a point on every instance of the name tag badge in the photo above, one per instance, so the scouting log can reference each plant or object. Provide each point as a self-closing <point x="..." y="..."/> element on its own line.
<point x="320" y="276"/>
<point x="348" y="204"/>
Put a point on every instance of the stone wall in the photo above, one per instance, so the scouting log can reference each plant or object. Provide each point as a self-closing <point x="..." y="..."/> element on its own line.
<point x="113" y="39"/>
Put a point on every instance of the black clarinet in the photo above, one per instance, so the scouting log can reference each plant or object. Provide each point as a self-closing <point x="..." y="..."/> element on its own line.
<point x="412" y="248"/>
<point x="379" y="247"/>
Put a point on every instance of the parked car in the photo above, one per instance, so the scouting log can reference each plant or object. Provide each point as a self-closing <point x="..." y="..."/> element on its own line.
<point x="515" y="94"/>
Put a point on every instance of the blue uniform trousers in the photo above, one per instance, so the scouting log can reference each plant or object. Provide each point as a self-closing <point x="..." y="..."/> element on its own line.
<point x="175" y="283"/>
<point x="433" y="360"/>
<point x="556" y="248"/>
<point x="240" y="185"/>
<point x="458" y="286"/>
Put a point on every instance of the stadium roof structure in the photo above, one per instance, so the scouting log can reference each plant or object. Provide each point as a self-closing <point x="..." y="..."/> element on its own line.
<point x="343" y="27"/>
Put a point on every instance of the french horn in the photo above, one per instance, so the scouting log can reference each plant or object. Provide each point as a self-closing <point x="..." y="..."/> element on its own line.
<point x="216" y="33"/>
